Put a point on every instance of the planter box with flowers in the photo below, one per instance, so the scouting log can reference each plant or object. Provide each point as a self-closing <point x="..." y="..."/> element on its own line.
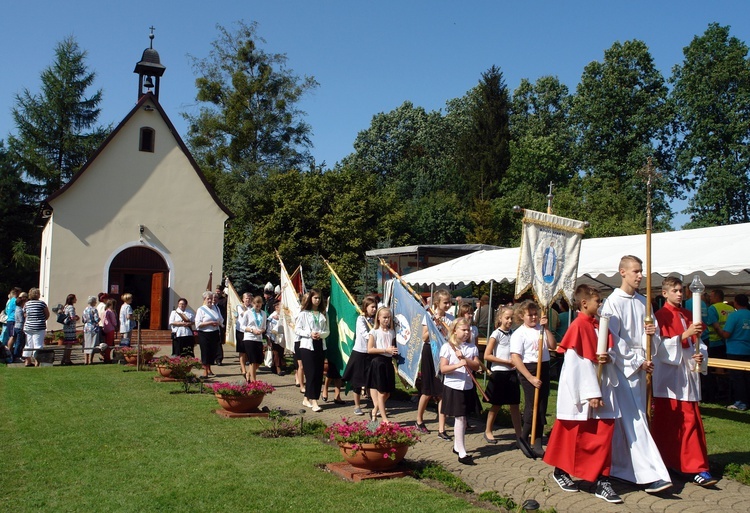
<point x="372" y="446"/>
<point x="241" y="397"/>
<point x="131" y="353"/>
<point x="175" y="367"/>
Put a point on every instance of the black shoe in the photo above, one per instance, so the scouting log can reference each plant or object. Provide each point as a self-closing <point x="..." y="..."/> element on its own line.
<point x="445" y="436"/>
<point x="525" y="448"/>
<point x="604" y="491"/>
<point x="489" y="440"/>
<point x="466" y="460"/>
<point x="658" y="486"/>
<point x="422" y="428"/>
<point x="565" y="482"/>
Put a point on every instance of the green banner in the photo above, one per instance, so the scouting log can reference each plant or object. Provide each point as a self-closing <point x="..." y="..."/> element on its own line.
<point x="342" y="320"/>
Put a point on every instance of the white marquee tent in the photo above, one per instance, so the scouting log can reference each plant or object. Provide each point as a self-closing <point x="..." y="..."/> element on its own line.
<point x="720" y="255"/>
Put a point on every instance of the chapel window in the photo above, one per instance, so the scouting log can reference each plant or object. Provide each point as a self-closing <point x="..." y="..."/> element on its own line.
<point x="148" y="135"/>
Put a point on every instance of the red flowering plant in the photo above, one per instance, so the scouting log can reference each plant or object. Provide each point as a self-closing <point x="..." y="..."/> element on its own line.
<point x="385" y="434"/>
<point x="242" y="389"/>
<point x="180" y="365"/>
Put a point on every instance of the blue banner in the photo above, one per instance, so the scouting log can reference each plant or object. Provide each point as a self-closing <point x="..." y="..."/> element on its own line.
<point x="408" y="315"/>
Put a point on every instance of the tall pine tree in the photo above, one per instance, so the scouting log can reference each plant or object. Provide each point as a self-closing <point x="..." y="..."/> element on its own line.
<point x="56" y="129"/>
<point x="483" y="152"/>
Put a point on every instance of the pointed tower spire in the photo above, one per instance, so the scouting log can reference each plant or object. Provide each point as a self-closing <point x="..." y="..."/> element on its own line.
<point x="149" y="68"/>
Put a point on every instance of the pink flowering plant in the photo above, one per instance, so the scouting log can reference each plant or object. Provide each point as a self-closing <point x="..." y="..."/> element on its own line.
<point x="385" y="434"/>
<point x="243" y="389"/>
<point x="150" y="351"/>
<point x="180" y="365"/>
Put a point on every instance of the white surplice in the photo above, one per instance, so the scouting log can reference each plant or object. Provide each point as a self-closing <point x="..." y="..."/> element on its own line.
<point x="635" y="457"/>
<point x="579" y="383"/>
<point x="675" y="375"/>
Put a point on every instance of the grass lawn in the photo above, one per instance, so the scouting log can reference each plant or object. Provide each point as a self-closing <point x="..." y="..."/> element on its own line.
<point x="104" y="439"/>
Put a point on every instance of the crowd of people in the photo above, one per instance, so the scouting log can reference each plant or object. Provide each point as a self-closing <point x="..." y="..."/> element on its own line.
<point x="603" y="424"/>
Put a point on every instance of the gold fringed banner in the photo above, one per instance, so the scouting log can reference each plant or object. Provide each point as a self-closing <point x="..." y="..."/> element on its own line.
<point x="548" y="259"/>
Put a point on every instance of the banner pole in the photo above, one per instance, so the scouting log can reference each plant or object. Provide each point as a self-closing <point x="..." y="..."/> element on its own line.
<point x="346" y="291"/>
<point x="542" y="308"/>
<point x="648" y="318"/>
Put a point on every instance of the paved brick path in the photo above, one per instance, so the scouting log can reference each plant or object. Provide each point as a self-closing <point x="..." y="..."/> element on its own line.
<point x="502" y="467"/>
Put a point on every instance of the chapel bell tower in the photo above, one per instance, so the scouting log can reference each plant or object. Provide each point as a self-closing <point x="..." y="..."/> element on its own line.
<point x="149" y="69"/>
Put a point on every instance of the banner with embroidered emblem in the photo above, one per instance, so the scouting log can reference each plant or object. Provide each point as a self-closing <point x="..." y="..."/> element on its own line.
<point x="342" y="318"/>
<point x="548" y="259"/>
<point x="408" y="315"/>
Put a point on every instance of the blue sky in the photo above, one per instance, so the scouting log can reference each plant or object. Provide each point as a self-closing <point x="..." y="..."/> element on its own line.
<point x="368" y="57"/>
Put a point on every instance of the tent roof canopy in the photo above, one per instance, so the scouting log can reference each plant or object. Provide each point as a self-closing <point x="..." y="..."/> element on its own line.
<point x="447" y="250"/>
<point x="720" y="255"/>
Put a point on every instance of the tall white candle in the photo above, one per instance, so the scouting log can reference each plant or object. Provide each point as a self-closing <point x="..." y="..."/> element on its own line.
<point x="697" y="288"/>
<point x="697" y="317"/>
<point x="601" y="346"/>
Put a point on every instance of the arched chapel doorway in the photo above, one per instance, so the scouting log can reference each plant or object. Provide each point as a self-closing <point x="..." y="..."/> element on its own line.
<point x="144" y="273"/>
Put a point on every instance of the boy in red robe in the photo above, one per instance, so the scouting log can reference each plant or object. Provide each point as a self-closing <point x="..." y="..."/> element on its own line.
<point x="581" y="438"/>
<point x="677" y="426"/>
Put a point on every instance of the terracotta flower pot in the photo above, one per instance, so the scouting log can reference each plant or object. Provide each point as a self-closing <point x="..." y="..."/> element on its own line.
<point x="240" y="403"/>
<point x="164" y="371"/>
<point x="373" y="457"/>
<point x="131" y="359"/>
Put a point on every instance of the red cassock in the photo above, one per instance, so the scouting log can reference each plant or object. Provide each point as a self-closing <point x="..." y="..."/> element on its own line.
<point x="678" y="431"/>
<point x="677" y="426"/>
<point x="582" y="448"/>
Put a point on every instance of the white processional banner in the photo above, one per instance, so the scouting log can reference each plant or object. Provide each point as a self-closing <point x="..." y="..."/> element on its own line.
<point x="548" y="259"/>
<point x="233" y="300"/>
<point x="290" y="306"/>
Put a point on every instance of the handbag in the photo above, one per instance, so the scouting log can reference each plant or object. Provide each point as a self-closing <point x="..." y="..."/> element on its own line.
<point x="268" y="362"/>
<point x="62" y="318"/>
<point x="3" y="317"/>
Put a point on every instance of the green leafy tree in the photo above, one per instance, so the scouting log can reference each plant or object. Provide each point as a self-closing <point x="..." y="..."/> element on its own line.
<point x="288" y="221"/>
<point x="542" y="150"/>
<point x="712" y="97"/>
<point x="543" y="140"/>
<point x="622" y="115"/>
<point x="56" y="129"/>
<point x="249" y="121"/>
<point x="248" y="127"/>
<point x="407" y="147"/>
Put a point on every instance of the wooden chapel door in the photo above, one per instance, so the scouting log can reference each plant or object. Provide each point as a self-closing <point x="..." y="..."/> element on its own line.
<point x="158" y="288"/>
